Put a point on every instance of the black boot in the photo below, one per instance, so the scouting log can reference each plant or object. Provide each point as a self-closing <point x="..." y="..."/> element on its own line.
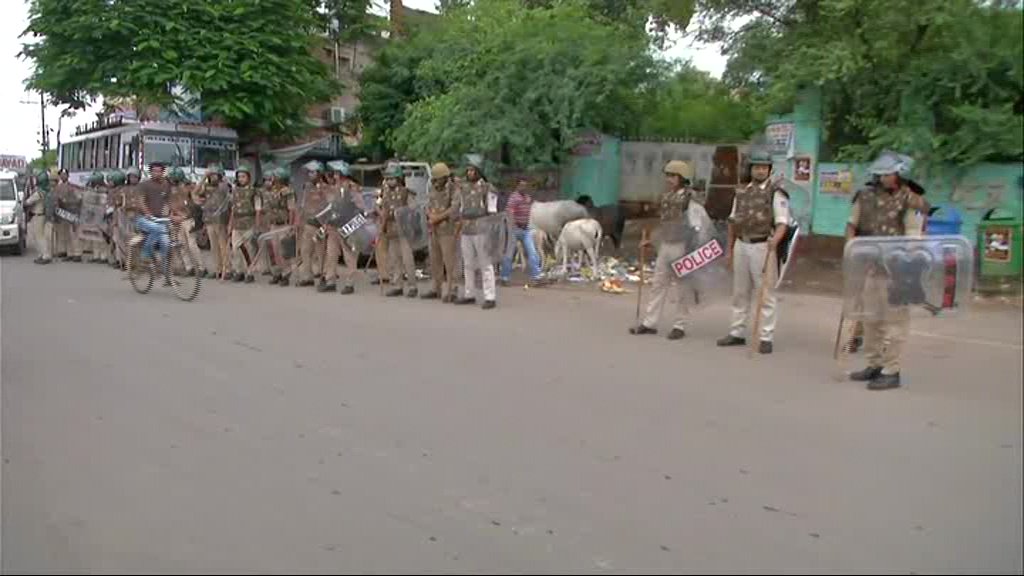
<point x="238" y="277"/>
<point x="465" y="301"/>
<point x="641" y="329"/>
<point x="731" y="340"/>
<point x="347" y="289"/>
<point x="765" y="347"/>
<point x="326" y="287"/>
<point x="391" y="293"/>
<point x="866" y="375"/>
<point x="489" y="304"/>
<point x="885" y="382"/>
<point x="304" y="283"/>
<point x="249" y="278"/>
<point x="412" y="293"/>
<point x="676" y="334"/>
<point x="284" y="281"/>
<point x="431" y="295"/>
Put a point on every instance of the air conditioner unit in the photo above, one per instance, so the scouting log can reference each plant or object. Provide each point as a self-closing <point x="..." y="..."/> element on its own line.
<point x="337" y="115"/>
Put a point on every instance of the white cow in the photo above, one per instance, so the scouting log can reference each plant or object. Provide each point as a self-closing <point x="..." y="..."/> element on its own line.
<point x="548" y="218"/>
<point x="579" y="236"/>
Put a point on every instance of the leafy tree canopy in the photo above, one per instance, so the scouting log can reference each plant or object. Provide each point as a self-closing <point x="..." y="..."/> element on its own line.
<point x="941" y="79"/>
<point x="252" y="61"/>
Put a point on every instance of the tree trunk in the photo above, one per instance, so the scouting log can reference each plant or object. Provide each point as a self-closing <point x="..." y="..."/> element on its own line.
<point x="397" y="24"/>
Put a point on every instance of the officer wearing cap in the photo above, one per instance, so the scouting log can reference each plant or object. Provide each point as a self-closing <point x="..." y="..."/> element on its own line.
<point x="342" y="186"/>
<point x="394" y="195"/>
<point x="242" y="222"/>
<point x="314" y="198"/>
<point x="42" y="203"/>
<point x="880" y="209"/>
<point x="674" y="203"/>
<point x="441" y="213"/>
<point x="214" y="197"/>
<point x="758" y="224"/>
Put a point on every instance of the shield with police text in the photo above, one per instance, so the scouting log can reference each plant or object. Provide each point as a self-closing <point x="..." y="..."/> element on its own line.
<point x="883" y="275"/>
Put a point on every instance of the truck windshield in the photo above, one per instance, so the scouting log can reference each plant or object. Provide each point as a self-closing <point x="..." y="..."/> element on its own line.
<point x="220" y="151"/>
<point x="7" y="190"/>
<point x="167" y="149"/>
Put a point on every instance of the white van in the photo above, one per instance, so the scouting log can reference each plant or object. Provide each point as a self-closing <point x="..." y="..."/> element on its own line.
<point x="12" y="216"/>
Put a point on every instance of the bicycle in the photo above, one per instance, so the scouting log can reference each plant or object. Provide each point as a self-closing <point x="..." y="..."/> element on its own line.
<point x="142" y="274"/>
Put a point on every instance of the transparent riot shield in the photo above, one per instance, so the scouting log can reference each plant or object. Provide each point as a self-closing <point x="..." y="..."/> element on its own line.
<point x="697" y="258"/>
<point x="91" y="218"/>
<point x="501" y="240"/>
<point x="411" y="222"/>
<point x="883" y="275"/>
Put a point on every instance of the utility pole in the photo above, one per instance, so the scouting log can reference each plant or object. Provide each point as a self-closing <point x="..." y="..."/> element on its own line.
<point x="44" y="133"/>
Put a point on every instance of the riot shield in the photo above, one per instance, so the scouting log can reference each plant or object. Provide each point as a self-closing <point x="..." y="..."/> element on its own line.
<point x="411" y="222"/>
<point x="91" y="219"/>
<point x="215" y="209"/>
<point x="697" y="259"/>
<point x="501" y="239"/>
<point x="356" y="227"/>
<point x="884" y="274"/>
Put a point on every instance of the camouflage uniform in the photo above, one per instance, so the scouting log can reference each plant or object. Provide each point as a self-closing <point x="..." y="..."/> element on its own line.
<point x="477" y="200"/>
<point x="336" y="244"/>
<point x="214" y="199"/>
<point x="99" y="248"/>
<point x="673" y="205"/>
<point x="443" y="257"/>
<point x="399" y="260"/>
<point x="278" y="207"/>
<point x="41" y="202"/>
<point x="180" y="205"/>
<point x="757" y="209"/>
<point x="245" y="206"/>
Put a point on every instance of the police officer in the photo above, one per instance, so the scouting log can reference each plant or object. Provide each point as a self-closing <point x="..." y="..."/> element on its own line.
<point x="395" y="195"/>
<point x="674" y="203"/>
<point x="42" y="203"/>
<point x="314" y="198"/>
<point x="69" y="198"/>
<point x="181" y="208"/>
<point x="441" y="207"/>
<point x="214" y="196"/>
<point x="278" y="210"/>
<point x="98" y="183"/>
<point x="243" y="221"/>
<point x="115" y="185"/>
<point x="60" y="231"/>
<point x="758" y="224"/>
<point x="881" y="209"/>
<point x="477" y="198"/>
<point x="343" y="187"/>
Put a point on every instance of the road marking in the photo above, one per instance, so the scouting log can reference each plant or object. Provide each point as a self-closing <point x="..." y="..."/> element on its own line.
<point x="977" y="341"/>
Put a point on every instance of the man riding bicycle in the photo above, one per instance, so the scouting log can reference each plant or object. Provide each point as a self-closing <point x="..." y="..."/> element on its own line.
<point x="152" y="221"/>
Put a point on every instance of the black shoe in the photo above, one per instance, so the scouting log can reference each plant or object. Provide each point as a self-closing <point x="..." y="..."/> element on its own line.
<point x="504" y="282"/>
<point x="375" y="282"/>
<point x="412" y="293"/>
<point x="731" y="340"/>
<point x="866" y="375"/>
<point x="237" y="277"/>
<point x="676" y="334"/>
<point x="393" y="292"/>
<point x="42" y="260"/>
<point x="641" y="329"/>
<point x="489" y="304"/>
<point x="284" y="281"/>
<point x="62" y="255"/>
<point x="326" y="287"/>
<point x="464" y="301"/>
<point x="432" y="295"/>
<point x="75" y="258"/>
<point x="348" y="289"/>
<point x="447" y="298"/>
<point x="765" y="347"/>
<point x="304" y="283"/>
<point x="249" y="278"/>
<point x="885" y="382"/>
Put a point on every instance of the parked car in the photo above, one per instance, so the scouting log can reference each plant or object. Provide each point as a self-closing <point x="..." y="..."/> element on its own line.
<point x="13" y="228"/>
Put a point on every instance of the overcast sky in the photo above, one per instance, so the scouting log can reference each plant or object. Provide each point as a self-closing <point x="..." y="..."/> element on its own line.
<point x="19" y="123"/>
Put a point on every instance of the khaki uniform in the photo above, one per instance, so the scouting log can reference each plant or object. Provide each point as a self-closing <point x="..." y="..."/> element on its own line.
<point x="880" y="212"/>
<point x="245" y="205"/>
<point x="757" y="209"/>
<point x="278" y="208"/>
<point x="180" y="205"/>
<point x="67" y="233"/>
<point x="311" y="247"/>
<point x="125" y="212"/>
<point x="396" y="248"/>
<point x="443" y="256"/>
<point x="101" y="250"/>
<point x="475" y="200"/>
<point x="40" y="228"/>
<point x="336" y="244"/>
<point x="672" y="210"/>
<point x="215" y="215"/>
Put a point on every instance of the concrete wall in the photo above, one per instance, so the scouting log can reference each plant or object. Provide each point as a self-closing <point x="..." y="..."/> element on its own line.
<point x="593" y="170"/>
<point x="642" y="177"/>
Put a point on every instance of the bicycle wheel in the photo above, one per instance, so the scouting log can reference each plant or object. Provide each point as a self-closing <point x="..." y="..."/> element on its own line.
<point x="185" y="287"/>
<point x="140" y="275"/>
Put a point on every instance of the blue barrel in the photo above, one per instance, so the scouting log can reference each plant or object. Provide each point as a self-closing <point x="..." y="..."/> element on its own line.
<point x="944" y="220"/>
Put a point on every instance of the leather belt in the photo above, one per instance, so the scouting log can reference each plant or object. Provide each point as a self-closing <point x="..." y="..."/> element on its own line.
<point x="755" y="240"/>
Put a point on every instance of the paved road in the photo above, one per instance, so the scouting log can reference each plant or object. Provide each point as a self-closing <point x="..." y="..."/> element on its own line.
<point x="277" y="429"/>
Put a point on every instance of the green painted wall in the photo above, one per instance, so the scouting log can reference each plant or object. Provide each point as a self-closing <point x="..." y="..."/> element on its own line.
<point x="594" y="172"/>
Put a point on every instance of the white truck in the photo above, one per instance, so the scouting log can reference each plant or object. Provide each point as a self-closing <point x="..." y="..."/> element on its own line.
<point x="13" y="228"/>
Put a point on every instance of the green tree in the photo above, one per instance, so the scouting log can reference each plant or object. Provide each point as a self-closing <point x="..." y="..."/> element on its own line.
<point x="498" y="75"/>
<point x="941" y="79"/>
<point x="690" y="104"/>
<point x="43" y="162"/>
<point x="251" y="61"/>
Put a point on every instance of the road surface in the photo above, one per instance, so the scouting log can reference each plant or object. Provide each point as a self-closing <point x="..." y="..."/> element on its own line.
<point x="269" y="429"/>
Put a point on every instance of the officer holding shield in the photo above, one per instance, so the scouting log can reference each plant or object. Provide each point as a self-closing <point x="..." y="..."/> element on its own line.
<point x="42" y="202"/>
<point x="758" y="224"/>
<point x="881" y="209"/>
<point x="278" y="212"/>
<point x="674" y="204"/>
<point x="314" y="198"/>
<point x="69" y="198"/>
<point x="477" y="200"/>
<point x="214" y="196"/>
<point x="246" y="207"/>
<point x="344" y="189"/>
<point x="395" y="195"/>
<point x="441" y="216"/>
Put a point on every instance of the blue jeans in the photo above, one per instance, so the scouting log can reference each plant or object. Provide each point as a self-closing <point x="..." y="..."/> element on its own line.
<point x="155" y="237"/>
<point x="532" y="259"/>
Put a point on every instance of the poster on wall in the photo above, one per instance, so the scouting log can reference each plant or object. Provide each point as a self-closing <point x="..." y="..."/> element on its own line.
<point x="997" y="244"/>
<point x="836" y="182"/>
<point x="802" y="169"/>
<point x="779" y="137"/>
